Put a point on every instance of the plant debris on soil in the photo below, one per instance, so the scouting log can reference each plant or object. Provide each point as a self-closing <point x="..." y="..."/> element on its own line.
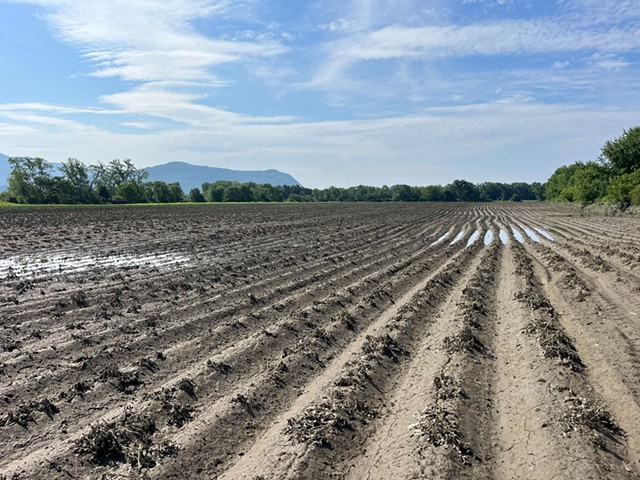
<point x="368" y="340"/>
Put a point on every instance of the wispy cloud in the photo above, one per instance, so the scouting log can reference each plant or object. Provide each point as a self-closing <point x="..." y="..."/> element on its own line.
<point x="480" y="142"/>
<point x="599" y="27"/>
<point x="149" y="40"/>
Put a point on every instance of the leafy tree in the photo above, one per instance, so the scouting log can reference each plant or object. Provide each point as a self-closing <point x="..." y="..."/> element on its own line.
<point x="621" y="188"/>
<point x="79" y="181"/>
<point x="463" y="191"/>
<point x="635" y="196"/>
<point x="432" y="193"/>
<point x="157" y="192"/>
<point x="31" y="181"/>
<point x="175" y="192"/>
<point x="130" y="192"/>
<point x="404" y="193"/>
<point x="537" y="189"/>
<point x="195" y="195"/>
<point x="622" y="154"/>
<point x="589" y="182"/>
<point x="558" y="185"/>
<point x="118" y="173"/>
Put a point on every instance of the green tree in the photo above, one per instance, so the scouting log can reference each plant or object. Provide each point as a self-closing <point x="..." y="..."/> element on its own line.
<point x="118" y="173"/>
<point x="463" y="191"/>
<point x="635" y="196"/>
<point x="558" y="187"/>
<point x="130" y="192"/>
<point x="404" y="193"/>
<point x="79" y="181"/>
<point x="31" y="181"/>
<point x="158" y="192"/>
<point x="175" y="192"/>
<point x="622" y="154"/>
<point x="432" y="193"/>
<point x="621" y="188"/>
<point x="589" y="182"/>
<point x="195" y="195"/>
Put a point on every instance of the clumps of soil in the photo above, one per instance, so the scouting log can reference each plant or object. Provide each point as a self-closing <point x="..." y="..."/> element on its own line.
<point x="177" y="413"/>
<point x="148" y="364"/>
<point x="249" y="405"/>
<point x="447" y="387"/>
<point x="316" y="424"/>
<point x="555" y="343"/>
<point x="128" y="439"/>
<point x="440" y="428"/>
<point x="220" y="367"/>
<point x="187" y="386"/>
<point x="465" y="341"/>
<point x="570" y="280"/>
<point x="384" y="345"/>
<point x="544" y="325"/>
<point x="125" y="381"/>
<point x="78" y="389"/>
<point x="23" y="414"/>
<point x="474" y="306"/>
<point x="533" y="300"/>
<point x="524" y="265"/>
<point x="594" y="262"/>
<point x="583" y="414"/>
<point x="321" y="424"/>
<point x="9" y="344"/>
<point x="79" y="299"/>
<point x="101" y="442"/>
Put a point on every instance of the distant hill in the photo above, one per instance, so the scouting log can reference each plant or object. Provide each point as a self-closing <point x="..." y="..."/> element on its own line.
<point x="190" y="176"/>
<point x="4" y="172"/>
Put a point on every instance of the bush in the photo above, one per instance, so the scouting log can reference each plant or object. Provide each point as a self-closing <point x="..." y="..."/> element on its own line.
<point x="621" y="187"/>
<point x="635" y="196"/>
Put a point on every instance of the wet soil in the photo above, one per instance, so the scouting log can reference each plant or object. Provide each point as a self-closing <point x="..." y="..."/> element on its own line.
<point x="361" y="341"/>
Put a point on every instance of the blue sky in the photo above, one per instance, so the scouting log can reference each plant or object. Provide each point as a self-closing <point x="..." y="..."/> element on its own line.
<point x="334" y="92"/>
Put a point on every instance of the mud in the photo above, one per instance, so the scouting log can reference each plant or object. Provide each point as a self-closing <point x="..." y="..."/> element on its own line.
<point x="319" y="341"/>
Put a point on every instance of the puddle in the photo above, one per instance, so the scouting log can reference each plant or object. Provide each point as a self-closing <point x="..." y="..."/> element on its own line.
<point x="504" y="238"/>
<point x="43" y="265"/>
<point x="488" y="237"/>
<point x="473" y="238"/>
<point x="458" y="237"/>
<point x="544" y="233"/>
<point x="517" y="234"/>
<point x="531" y="234"/>
<point x="442" y="237"/>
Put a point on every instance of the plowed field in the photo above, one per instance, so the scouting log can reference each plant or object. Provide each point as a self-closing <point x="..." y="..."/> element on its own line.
<point x="359" y="341"/>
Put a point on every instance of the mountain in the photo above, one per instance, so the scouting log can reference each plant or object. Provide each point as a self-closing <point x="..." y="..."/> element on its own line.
<point x="5" y="170"/>
<point x="190" y="176"/>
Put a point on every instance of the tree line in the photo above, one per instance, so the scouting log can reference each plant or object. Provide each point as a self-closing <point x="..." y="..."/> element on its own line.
<point x="457" y="191"/>
<point x="34" y="181"/>
<point x="613" y="178"/>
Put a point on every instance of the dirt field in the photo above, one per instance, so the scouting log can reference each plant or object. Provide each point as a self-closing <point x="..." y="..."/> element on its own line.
<point x="319" y="341"/>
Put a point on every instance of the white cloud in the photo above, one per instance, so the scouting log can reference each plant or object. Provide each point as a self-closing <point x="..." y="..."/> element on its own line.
<point x="499" y="141"/>
<point x="150" y="40"/>
<point x="608" y="61"/>
<point x="141" y="125"/>
<point x="580" y="26"/>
